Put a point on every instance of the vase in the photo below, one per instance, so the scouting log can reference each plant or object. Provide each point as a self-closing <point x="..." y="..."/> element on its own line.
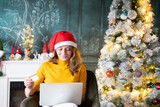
<point x="27" y="54"/>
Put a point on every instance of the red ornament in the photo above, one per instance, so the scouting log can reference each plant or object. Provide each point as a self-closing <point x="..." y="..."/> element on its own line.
<point x="109" y="74"/>
<point x="157" y="85"/>
<point x="138" y="73"/>
<point x="155" y="101"/>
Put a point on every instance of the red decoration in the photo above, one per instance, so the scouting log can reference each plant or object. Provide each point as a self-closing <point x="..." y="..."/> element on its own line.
<point x="44" y="48"/>
<point x="155" y="101"/>
<point x="60" y="39"/>
<point x="109" y="74"/>
<point x="12" y="53"/>
<point x="157" y="85"/>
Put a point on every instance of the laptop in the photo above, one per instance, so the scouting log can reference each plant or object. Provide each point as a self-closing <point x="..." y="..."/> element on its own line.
<point x="58" y="93"/>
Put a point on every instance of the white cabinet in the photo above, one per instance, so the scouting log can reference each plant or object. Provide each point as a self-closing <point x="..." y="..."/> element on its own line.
<point x="15" y="71"/>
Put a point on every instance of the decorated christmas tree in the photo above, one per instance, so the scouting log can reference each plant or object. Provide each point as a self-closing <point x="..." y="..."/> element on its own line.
<point x="128" y="72"/>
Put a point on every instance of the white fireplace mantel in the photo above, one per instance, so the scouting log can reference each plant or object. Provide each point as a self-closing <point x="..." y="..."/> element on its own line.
<point x="15" y="71"/>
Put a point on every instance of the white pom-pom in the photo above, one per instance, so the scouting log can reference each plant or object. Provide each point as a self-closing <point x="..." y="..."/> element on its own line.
<point x="51" y="54"/>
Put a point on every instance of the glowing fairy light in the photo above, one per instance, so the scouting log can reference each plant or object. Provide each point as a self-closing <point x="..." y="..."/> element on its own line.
<point x="27" y="38"/>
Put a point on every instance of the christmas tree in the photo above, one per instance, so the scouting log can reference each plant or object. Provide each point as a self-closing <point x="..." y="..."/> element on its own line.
<point x="128" y="73"/>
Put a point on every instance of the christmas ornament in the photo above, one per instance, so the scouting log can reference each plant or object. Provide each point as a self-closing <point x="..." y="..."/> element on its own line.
<point x="123" y="80"/>
<point x="138" y="73"/>
<point x="150" y="85"/>
<point x="155" y="101"/>
<point x="109" y="74"/>
<point x="132" y="14"/>
<point x="118" y="62"/>
<point x="12" y="54"/>
<point x="110" y="37"/>
<point x="123" y="16"/>
<point x="157" y="85"/>
<point x="113" y="87"/>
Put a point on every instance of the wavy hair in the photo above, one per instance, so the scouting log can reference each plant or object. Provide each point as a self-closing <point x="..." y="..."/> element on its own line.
<point x="74" y="62"/>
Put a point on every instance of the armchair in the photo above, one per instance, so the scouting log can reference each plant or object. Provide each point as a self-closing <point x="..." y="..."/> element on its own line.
<point x="91" y="98"/>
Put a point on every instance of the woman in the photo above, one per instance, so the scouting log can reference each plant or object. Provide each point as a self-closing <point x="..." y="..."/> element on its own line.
<point x="65" y="65"/>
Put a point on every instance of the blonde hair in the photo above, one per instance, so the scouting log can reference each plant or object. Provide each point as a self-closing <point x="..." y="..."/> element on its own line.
<point x="74" y="62"/>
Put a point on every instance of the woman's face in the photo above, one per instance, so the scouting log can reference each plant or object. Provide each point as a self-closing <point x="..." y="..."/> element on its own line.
<point x="64" y="52"/>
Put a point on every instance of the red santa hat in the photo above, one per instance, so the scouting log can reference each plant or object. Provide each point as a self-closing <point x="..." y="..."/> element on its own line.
<point x="60" y="39"/>
<point x="44" y="48"/>
<point x="12" y="51"/>
<point x="17" y="52"/>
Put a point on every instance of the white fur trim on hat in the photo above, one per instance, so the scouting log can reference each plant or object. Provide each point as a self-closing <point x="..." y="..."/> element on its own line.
<point x="65" y="43"/>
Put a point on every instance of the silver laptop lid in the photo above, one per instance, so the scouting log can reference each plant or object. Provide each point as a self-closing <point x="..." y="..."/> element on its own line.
<point x="57" y="93"/>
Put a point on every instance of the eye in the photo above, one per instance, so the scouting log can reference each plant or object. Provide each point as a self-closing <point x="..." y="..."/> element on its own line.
<point x="68" y="48"/>
<point x="59" y="49"/>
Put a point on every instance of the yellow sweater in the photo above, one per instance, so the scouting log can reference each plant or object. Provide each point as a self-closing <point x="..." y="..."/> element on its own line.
<point x="59" y="73"/>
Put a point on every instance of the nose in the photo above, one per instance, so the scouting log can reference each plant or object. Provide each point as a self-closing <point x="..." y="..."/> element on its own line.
<point x="63" y="51"/>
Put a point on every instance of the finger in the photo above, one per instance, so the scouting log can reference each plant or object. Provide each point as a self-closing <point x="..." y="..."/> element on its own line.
<point x="29" y="84"/>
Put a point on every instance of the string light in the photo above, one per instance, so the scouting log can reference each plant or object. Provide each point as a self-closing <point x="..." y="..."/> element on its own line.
<point x="137" y="59"/>
<point x="27" y="37"/>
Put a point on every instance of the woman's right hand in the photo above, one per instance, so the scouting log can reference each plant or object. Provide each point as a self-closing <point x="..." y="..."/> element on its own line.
<point x="28" y="82"/>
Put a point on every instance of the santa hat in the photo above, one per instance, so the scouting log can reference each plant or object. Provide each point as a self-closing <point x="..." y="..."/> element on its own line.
<point x="44" y="48"/>
<point x="12" y="51"/>
<point x="17" y="52"/>
<point x="60" y="39"/>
